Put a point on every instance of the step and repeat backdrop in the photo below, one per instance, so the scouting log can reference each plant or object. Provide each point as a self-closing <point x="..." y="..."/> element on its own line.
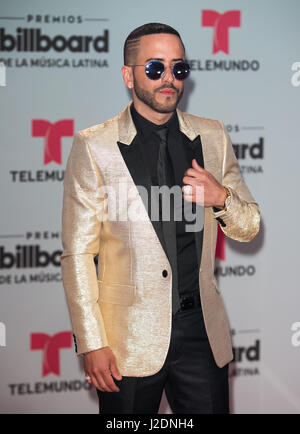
<point x="60" y="71"/>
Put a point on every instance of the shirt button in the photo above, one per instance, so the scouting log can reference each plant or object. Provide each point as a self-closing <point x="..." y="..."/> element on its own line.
<point x="164" y="273"/>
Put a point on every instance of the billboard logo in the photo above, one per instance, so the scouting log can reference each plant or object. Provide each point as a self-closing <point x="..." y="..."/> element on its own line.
<point x="2" y="335"/>
<point x="28" y="256"/>
<point x="52" y="132"/>
<point x="33" y="40"/>
<point x="50" y="346"/>
<point x="254" y="151"/>
<point x="221" y="24"/>
<point x="250" y="354"/>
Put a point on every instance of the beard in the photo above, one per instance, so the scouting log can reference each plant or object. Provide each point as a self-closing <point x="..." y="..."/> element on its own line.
<point x="148" y="97"/>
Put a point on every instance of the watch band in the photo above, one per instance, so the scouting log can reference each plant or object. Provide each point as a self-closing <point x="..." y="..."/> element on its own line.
<point x="227" y="199"/>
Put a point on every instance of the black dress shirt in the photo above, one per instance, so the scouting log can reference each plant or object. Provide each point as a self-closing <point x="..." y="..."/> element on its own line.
<point x="187" y="263"/>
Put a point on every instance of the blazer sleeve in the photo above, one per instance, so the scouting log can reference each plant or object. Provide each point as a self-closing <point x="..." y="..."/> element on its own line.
<point x="82" y="218"/>
<point x="241" y="220"/>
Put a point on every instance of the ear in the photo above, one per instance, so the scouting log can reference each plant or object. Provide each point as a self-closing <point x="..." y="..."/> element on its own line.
<point x="127" y="76"/>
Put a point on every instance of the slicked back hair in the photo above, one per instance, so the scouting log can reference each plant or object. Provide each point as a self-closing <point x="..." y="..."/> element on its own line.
<point x="132" y="42"/>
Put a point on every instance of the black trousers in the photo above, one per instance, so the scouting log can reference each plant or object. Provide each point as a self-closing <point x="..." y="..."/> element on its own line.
<point x="192" y="381"/>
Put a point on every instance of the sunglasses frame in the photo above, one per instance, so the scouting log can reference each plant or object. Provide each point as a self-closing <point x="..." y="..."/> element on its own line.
<point x="164" y="70"/>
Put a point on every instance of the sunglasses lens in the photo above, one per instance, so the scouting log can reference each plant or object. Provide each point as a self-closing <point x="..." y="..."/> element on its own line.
<point x="181" y="70"/>
<point x="154" y="70"/>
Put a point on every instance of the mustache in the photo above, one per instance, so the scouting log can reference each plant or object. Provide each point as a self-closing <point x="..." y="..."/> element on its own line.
<point x="170" y="86"/>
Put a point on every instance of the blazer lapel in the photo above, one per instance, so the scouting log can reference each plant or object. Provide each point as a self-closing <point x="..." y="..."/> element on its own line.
<point x="208" y="154"/>
<point x="138" y="170"/>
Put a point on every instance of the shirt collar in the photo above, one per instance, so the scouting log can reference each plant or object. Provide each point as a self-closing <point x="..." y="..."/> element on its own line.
<point x="146" y="127"/>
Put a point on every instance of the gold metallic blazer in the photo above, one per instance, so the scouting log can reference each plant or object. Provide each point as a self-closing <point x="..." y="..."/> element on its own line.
<point x="126" y="302"/>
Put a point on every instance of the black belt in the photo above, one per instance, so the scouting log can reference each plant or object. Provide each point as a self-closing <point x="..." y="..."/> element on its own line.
<point x="189" y="300"/>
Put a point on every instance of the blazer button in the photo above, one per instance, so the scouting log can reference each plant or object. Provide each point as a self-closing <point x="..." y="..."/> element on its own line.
<point x="164" y="273"/>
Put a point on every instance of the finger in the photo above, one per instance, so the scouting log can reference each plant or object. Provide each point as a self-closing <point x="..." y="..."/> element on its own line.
<point x="115" y="371"/>
<point x="191" y="172"/>
<point x="187" y="190"/>
<point x="102" y="384"/>
<point x="196" y="197"/>
<point x="90" y="381"/>
<point x="98" y="383"/>
<point x="189" y="180"/>
<point x="188" y="197"/>
<point x="193" y="187"/>
<point x="196" y="165"/>
<point x="109" y="382"/>
<point x="88" y="378"/>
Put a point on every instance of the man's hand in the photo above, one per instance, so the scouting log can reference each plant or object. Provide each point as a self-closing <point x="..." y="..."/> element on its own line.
<point x="214" y="192"/>
<point x="101" y="366"/>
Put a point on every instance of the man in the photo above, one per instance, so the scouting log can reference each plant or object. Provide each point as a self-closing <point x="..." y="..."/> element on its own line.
<point x="152" y="318"/>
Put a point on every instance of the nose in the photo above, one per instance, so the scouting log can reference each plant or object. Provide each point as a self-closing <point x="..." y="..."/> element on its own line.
<point x="168" y="76"/>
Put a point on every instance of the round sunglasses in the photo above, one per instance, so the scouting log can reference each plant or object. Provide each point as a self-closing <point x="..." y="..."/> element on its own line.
<point x="155" y="70"/>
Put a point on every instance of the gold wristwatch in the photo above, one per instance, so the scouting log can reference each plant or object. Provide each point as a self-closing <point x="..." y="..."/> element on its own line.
<point x="227" y="199"/>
